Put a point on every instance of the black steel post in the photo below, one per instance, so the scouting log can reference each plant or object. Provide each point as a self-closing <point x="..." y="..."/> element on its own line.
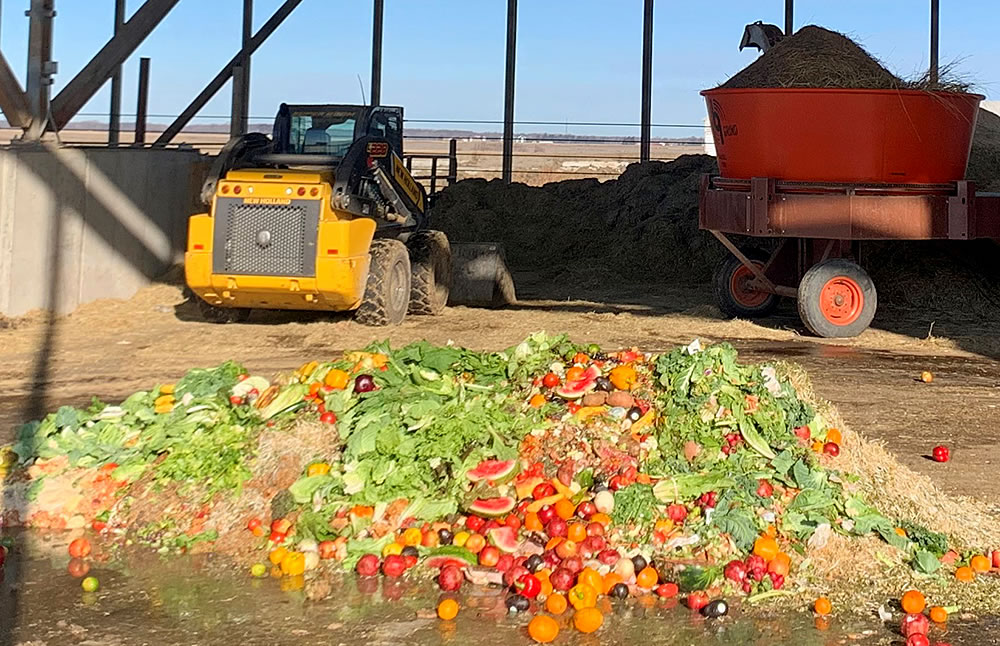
<point x="935" y="18"/>
<point x="376" y="90"/>
<point x="508" y="97"/>
<point x="452" y="161"/>
<point x="647" y="81"/>
<point x="789" y="22"/>
<point x="142" y="103"/>
<point x="239" y="113"/>
<point x="115" y="115"/>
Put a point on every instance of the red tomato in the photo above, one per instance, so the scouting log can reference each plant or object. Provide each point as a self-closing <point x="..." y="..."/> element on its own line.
<point x="941" y="454"/>
<point x="550" y="380"/>
<point x="235" y="400"/>
<point x="326" y="549"/>
<point x="79" y="548"/>
<point x="98" y="526"/>
<point x="543" y="490"/>
<point x="328" y="417"/>
<point x="77" y="568"/>
<point x="697" y="600"/>
<point x="254" y="523"/>
<point x="281" y="525"/>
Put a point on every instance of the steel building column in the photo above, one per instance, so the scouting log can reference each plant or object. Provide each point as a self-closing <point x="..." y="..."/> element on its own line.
<point x="95" y="73"/>
<point x="239" y="115"/>
<point x="115" y="115"/>
<point x="210" y="90"/>
<point x="376" y="89"/>
<point x="935" y="19"/>
<point x="645" y="128"/>
<point x="142" y="102"/>
<point x="40" y="64"/>
<point x="508" y="97"/>
<point x="789" y="22"/>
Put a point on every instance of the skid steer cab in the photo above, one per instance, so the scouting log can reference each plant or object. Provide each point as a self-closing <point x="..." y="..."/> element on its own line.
<point x="321" y="215"/>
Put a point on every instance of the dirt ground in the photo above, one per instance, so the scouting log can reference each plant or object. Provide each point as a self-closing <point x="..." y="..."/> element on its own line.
<point x="109" y="349"/>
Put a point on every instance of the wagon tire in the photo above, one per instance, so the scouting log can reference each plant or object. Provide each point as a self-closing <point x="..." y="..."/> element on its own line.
<point x="837" y="299"/>
<point x="387" y="292"/>
<point x="735" y="298"/>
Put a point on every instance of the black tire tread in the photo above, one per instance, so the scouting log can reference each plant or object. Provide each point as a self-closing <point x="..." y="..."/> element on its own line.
<point x="222" y="315"/>
<point x="375" y="306"/>
<point x="809" y="290"/>
<point x="430" y="270"/>
<point x="721" y="282"/>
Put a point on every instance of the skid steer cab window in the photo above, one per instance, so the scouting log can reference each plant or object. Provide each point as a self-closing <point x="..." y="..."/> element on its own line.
<point x="326" y="132"/>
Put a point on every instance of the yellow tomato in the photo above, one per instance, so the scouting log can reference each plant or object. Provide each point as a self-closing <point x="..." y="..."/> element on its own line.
<point x="460" y="539"/>
<point x="392" y="548"/>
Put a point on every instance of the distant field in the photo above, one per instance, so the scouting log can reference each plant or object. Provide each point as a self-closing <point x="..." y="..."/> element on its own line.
<point x="534" y="162"/>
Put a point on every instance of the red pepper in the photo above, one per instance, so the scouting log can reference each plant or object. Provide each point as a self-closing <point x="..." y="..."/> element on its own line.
<point x="572" y="407"/>
<point x="528" y="585"/>
<point x="253" y="524"/>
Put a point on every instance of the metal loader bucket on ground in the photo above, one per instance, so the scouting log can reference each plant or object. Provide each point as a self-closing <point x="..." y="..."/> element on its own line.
<point x="479" y="275"/>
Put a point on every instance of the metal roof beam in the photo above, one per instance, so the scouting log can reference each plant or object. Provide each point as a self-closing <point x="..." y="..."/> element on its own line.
<point x="100" y="68"/>
<point x="226" y="72"/>
<point x="13" y="99"/>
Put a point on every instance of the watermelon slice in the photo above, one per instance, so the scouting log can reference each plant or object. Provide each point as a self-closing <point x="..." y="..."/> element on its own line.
<point x="580" y="387"/>
<point x="444" y="555"/>
<point x="492" y="469"/>
<point x="505" y="538"/>
<point x="492" y="507"/>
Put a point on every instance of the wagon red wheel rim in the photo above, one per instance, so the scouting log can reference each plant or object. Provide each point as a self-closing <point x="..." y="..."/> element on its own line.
<point x="841" y="300"/>
<point x="743" y="293"/>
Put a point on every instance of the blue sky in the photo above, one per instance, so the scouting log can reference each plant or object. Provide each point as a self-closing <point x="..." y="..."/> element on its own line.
<point x="578" y="60"/>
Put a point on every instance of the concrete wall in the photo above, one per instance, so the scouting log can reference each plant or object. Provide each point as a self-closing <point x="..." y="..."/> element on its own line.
<point x="79" y="224"/>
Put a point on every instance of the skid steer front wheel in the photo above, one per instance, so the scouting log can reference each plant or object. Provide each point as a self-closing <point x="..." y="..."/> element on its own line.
<point x="387" y="294"/>
<point x="430" y="261"/>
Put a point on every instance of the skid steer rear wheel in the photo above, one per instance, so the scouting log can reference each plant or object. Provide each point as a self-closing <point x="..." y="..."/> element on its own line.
<point x="387" y="294"/>
<point x="430" y="262"/>
<point x="214" y="314"/>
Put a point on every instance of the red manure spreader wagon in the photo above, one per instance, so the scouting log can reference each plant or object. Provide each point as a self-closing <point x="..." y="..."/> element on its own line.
<point x="821" y="170"/>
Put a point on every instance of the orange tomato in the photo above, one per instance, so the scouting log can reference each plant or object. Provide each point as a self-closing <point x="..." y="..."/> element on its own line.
<point x="531" y="522"/>
<point x="610" y="580"/>
<point x="766" y="548"/>
<point x="580" y="357"/>
<point x="591" y="577"/>
<point x="80" y="547"/>
<point x="646" y="578"/>
<point x="574" y="373"/>
<point x="587" y="620"/>
<point x="565" y="509"/>
<point x="537" y="400"/>
<point x="476" y="543"/>
<point x="980" y="564"/>
<point x="554" y="542"/>
<point x="778" y="566"/>
<point x="337" y="379"/>
<point x="556" y="604"/>
<point x="913" y="602"/>
<point x="448" y="609"/>
<point x="939" y="615"/>
<point x="577" y="532"/>
<point x="603" y="519"/>
<point x="546" y="588"/>
<point x="362" y="511"/>
<point x="823" y="606"/>
<point x="543" y="629"/>
<point x="965" y="574"/>
<point x="582" y="595"/>
<point x="834" y="435"/>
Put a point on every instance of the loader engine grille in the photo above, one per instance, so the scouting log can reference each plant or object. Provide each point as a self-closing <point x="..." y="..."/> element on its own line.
<point x="265" y="239"/>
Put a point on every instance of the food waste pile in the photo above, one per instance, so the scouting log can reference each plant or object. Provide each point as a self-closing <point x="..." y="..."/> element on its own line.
<point x="563" y="477"/>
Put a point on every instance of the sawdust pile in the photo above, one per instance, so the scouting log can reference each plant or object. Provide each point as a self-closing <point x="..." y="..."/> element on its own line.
<point x="984" y="160"/>
<point x="815" y="57"/>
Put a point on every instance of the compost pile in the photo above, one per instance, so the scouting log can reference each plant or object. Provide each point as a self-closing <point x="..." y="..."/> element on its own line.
<point x="815" y="57"/>
<point x="642" y="224"/>
<point x="562" y="474"/>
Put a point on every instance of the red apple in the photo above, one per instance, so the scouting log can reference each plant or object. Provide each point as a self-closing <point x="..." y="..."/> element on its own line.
<point x="574" y="564"/>
<point x="567" y="548"/>
<point x="595" y="529"/>
<point x="557" y="527"/>
<point x="586" y="509"/>
<point x="595" y="544"/>
<point x="562" y="579"/>
<point x="608" y="557"/>
<point x="996" y="558"/>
